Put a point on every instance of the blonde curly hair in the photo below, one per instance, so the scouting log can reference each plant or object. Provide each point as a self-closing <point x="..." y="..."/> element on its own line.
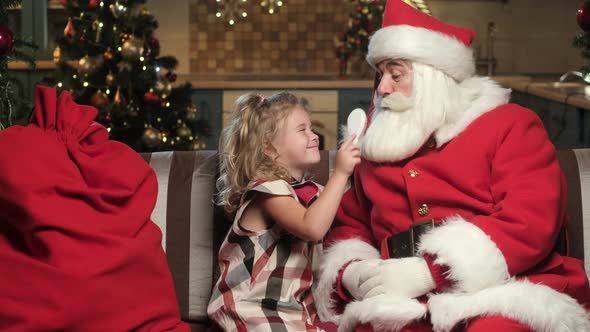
<point x="254" y="124"/>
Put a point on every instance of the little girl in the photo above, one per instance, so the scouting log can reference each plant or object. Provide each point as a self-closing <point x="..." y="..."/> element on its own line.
<point x="266" y="258"/>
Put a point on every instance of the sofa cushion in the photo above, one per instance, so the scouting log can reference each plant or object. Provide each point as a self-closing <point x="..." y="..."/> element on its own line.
<point x="184" y="213"/>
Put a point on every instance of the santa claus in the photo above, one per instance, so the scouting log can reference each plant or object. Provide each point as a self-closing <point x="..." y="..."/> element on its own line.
<point x="456" y="205"/>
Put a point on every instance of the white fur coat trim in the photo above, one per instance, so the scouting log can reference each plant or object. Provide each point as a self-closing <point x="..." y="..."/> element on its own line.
<point x="487" y="95"/>
<point x="384" y="312"/>
<point x="537" y="306"/>
<point x="422" y="45"/>
<point x="333" y="259"/>
<point x="474" y="260"/>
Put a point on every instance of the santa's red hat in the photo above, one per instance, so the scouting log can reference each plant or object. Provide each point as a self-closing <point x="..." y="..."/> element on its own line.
<point x="410" y="34"/>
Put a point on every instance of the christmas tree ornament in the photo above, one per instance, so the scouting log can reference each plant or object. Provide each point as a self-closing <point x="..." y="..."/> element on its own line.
<point x="99" y="99"/>
<point x="57" y="54"/>
<point x="163" y="87"/>
<point x="110" y="78"/>
<point x="87" y="65"/>
<point x="93" y="3"/>
<point x="171" y="77"/>
<point x="132" y="49"/>
<point x="583" y="16"/>
<point x="151" y="47"/>
<point x="184" y="132"/>
<point x="117" y="9"/>
<point x="152" y="137"/>
<point x="108" y="55"/>
<point x="144" y="11"/>
<point x="151" y="97"/>
<point x="119" y="100"/>
<point x="69" y="29"/>
<point x="6" y="40"/>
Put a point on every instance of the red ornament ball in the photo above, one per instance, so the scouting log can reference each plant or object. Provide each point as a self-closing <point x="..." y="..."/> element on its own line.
<point x="93" y="3"/>
<point x="583" y="16"/>
<point x="171" y="77"/>
<point x="151" y="97"/>
<point x="6" y="40"/>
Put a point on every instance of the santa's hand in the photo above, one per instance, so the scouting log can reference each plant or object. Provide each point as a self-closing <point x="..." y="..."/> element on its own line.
<point x="355" y="274"/>
<point x="409" y="277"/>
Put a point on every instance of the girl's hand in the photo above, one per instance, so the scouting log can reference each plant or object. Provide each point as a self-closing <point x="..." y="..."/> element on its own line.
<point x="347" y="157"/>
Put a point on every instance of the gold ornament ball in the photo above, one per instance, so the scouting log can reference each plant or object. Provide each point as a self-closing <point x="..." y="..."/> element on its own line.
<point x="110" y="78"/>
<point x="87" y="65"/>
<point x="184" y="132"/>
<point x="163" y="87"/>
<point x="132" y="49"/>
<point x="108" y="55"/>
<point x="144" y="11"/>
<point x="152" y="137"/>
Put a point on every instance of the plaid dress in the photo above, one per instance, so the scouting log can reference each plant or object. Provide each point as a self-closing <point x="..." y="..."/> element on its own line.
<point x="266" y="276"/>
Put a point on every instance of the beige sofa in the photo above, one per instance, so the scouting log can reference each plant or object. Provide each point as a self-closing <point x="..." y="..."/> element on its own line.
<point x="193" y="228"/>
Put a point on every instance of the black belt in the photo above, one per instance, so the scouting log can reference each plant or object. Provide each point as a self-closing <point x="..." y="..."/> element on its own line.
<point x="405" y="244"/>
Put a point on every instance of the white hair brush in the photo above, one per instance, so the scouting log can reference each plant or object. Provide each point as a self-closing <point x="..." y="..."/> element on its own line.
<point x="357" y="120"/>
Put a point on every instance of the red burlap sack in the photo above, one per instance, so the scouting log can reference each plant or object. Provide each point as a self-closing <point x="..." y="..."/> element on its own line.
<point x="78" y="251"/>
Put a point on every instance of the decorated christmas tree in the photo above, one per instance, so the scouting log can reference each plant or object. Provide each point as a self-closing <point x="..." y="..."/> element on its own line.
<point x="365" y="19"/>
<point x="110" y="58"/>
<point x="13" y="108"/>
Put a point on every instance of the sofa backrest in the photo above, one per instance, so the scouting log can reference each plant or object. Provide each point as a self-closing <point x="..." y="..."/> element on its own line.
<point x="193" y="228"/>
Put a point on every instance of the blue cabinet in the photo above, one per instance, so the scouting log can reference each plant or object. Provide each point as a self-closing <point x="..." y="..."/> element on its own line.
<point x="349" y="99"/>
<point x="210" y="105"/>
<point x="567" y="126"/>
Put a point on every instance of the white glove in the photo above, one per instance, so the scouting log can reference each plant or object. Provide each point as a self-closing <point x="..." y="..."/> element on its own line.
<point x="351" y="278"/>
<point x="409" y="277"/>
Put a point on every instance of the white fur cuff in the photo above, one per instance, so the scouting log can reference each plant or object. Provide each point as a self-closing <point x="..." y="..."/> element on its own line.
<point x="474" y="260"/>
<point x="384" y="312"/>
<point x="537" y="306"/>
<point x="333" y="259"/>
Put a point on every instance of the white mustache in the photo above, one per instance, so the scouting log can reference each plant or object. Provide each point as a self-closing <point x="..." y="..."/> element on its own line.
<point x="395" y="102"/>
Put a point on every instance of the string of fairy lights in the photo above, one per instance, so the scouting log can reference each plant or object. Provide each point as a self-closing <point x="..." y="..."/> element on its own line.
<point x="234" y="10"/>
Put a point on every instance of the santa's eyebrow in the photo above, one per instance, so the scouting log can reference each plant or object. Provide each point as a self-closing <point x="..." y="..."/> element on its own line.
<point x="393" y="63"/>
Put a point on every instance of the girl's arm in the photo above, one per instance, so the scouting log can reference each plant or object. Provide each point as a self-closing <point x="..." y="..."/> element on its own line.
<point x="313" y="223"/>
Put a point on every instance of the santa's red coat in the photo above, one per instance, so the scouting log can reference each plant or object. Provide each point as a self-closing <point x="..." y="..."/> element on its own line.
<point x="501" y="191"/>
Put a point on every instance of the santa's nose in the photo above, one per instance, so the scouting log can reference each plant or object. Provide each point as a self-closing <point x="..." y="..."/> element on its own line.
<point x="385" y="87"/>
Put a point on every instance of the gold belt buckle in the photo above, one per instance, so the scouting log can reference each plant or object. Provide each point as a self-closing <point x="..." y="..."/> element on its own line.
<point x="415" y="236"/>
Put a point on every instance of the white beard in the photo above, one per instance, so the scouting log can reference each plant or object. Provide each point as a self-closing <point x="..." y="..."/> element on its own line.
<point x="401" y="125"/>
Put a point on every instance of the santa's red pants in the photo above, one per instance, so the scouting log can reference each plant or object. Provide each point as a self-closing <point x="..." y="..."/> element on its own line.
<point x="481" y="324"/>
